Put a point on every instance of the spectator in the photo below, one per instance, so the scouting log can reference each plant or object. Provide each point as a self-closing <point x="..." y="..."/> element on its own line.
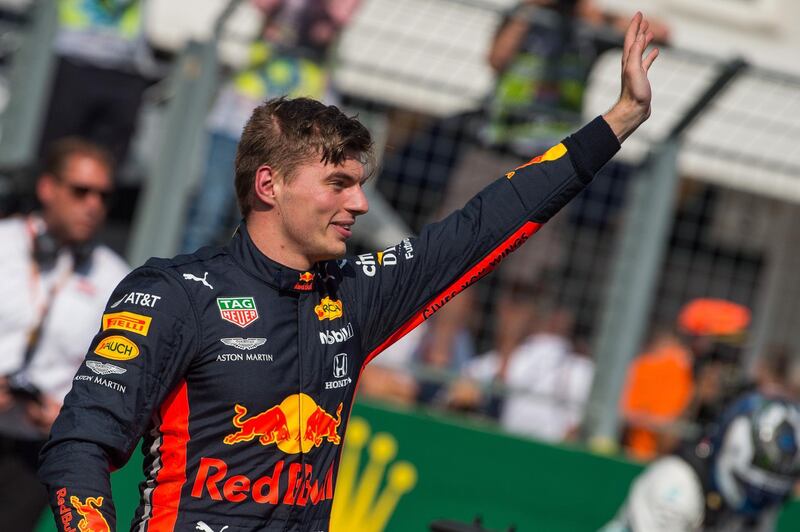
<point x="660" y="387"/>
<point x="734" y="478"/>
<point x="389" y="376"/>
<point x="289" y="59"/>
<point x="104" y="67"/>
<point x="715" y="330"/>
<point x="547" y="382"/>
<point x="683" y="377"/>
<point x="56" y="280"/>
<point x="542" y="58"/>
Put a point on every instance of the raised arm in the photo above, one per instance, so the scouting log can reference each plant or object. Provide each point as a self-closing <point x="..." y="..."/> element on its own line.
<point x="448" y="256"/>
<point x="633" y="106"/>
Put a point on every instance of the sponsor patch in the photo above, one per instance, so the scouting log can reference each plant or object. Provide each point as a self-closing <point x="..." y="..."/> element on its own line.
<point x="102" y="368"/>
<point x="203" y="279"/>
<point x="240" y="311"/>
<point x="244" y="343"/>
<point x="92" y="519"/>
<point x="340" y="365"/>
<point x="64" y="514"/>
<point x="203" y="527"/>
<point x="245" y="357"/>
<point x="117" y="348"/>
<point x="328" y="309"/>
<point x="339" y="372"/>
<point x="336" y="336"/>
<point x="102" y="381"/>
<point x="305" y="283"/>
<point x="127" y="321"/>
<point x="370" y="262"/>
<point x="137" y="298"/>
<point x="408" y="249"/>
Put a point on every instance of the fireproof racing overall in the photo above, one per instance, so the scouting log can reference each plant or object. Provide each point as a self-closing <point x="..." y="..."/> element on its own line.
<point x="239" y="373"/>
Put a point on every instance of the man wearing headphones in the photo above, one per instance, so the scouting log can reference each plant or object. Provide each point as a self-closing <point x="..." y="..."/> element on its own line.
<point x="55" y="284"/>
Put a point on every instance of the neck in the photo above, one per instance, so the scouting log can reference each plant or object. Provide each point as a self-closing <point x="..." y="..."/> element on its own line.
<point x="272" y="243"/>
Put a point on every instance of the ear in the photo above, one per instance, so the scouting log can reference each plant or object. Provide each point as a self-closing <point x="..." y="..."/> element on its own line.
<point x="266" y="185"/>
<point x="46" y="189"/>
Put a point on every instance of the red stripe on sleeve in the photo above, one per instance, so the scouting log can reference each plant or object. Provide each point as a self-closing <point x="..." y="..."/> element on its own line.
<point x="172" y="475"/>
<point x="480" y="269"/>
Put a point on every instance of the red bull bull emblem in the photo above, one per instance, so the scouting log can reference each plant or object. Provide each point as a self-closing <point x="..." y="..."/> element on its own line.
<point x="92" y="520"/>
<point x="268" y="426"/>
<point x="305" y="282"/>
<point x="297" y="423"/>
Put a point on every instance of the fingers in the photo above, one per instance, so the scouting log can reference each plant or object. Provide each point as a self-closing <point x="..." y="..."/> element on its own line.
<point x="630" y="36"/>
<point x="649" y="59"/>
<point x="643" y="40"/>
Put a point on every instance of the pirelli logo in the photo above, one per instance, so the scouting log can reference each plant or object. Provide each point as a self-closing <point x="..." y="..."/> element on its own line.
<point x="127" y="321"/>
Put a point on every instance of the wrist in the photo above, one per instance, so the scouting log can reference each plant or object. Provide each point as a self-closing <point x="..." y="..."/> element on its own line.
<point x="625" y="118"/>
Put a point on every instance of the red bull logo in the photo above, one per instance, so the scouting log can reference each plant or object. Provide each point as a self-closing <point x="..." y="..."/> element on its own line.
<point x="297" y="423"/>
<point x="323" y="425"/>
<point x="92" y="520"/>
<point x="269" y="426"/>
<point x="64" y="511"/>
<point x="295" y="484"/>
<point x="305" y="283"/>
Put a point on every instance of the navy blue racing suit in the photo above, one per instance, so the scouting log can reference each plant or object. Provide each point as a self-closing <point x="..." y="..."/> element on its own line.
<point x="239" y="373"/>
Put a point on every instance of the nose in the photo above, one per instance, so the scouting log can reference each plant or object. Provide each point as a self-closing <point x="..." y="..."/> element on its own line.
<point x="357" y="203"/>
<point x="95" y="202"/>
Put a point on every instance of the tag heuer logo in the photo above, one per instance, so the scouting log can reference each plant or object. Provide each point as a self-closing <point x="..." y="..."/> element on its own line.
<point x="241" y="311"/>
<point x="244" y="343"/>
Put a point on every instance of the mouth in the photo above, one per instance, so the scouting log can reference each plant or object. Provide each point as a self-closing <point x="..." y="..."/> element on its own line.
<point x="345" y="229"/>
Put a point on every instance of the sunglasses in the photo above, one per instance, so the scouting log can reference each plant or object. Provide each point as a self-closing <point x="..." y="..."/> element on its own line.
<point x="81" y="192"/>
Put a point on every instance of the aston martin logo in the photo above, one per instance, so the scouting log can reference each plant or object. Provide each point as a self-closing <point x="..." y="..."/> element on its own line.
<point x="101" y="368"/>
<point x="244" y="343"/>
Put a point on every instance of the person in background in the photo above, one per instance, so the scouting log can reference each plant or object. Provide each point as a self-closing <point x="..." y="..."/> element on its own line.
<point x="542" y="54"/>
<point x="659" y="388"/>
<point x="547" y="382"/>
<point x="735" y="478"/>
<point x="56" y="281"/>
<point x="290" y="58"/>
<point x="687" y="375"/>
<point x="715" y="330"/>
<point x="104" y="66"/>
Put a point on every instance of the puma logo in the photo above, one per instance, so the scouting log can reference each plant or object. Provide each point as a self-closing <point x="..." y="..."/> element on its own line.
<point x="205" y="528"/>
<point x="190" y="277"/>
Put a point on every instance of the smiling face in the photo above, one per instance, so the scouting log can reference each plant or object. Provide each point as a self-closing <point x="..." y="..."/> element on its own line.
<point x="316" y="209"/>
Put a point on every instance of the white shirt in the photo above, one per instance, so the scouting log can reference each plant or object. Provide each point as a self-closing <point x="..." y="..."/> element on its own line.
<point x="668" y="497"/>
<point x="74" y="316"/>
<point x="550" y="386"/>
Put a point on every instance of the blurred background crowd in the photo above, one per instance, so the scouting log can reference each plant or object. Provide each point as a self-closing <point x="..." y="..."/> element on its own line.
<point x="607" y="329"/>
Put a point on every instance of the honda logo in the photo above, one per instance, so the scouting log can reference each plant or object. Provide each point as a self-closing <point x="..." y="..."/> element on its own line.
<point x="340" y="365"/>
